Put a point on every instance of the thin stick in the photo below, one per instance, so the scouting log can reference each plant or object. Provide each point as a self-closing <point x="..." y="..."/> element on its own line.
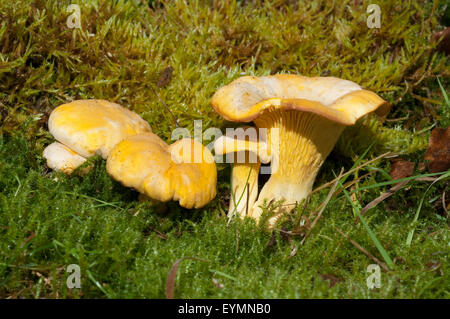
<point x="364" y="251"/>
<point x="330" y="194"/>
<point x="350" y="171"/>
<point x="174" y="119"/>
<point x="381" y="198"/>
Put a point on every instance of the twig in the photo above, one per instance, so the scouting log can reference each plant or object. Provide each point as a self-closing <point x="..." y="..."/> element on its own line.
<point x="381" y="198"/>
<point x="324" y="204"/>
<point x="350" y="171"/>
<point x="174" y="119"/>
<point x="364" y="251"/>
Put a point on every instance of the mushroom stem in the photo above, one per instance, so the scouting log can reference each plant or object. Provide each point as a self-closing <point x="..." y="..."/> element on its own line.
<point x="244" y="188"/>
<point x="300" y="142"/>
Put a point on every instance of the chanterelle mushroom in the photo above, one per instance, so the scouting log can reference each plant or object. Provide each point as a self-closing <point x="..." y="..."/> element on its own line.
<point x="308" y="115"/>
<point x="246" y="152"/>
<point x="86" y="128"/>
<point x="62" y="158"/>
<point x="184" y="171"/>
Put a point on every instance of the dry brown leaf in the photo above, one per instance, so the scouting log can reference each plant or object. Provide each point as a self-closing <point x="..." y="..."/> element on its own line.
<point x="444" y="45"/>
<point x="438" y="152"/>
<point x="421" y="167"/>
<point x="165" y="77"/>
<point x="401" y="169"/>
<point x="333" y="279"/>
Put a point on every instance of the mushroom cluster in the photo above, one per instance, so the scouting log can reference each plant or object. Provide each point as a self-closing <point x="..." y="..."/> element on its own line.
<point x="304" y="117"/>
<point x="184" y="171"/>
<point x="84" y="128"/>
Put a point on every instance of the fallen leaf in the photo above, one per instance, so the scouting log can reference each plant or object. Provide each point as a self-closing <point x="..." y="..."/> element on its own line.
<point x="444" y="44"/>
<point x="165" y="77"/>
<point x="438" y="152"/>
<point x="333" y="279"/>
<point x="401" y="169"/>
<point x="421" y="167"/>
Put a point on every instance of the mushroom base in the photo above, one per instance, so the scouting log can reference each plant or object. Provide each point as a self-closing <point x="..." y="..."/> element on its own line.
<point x="299" y="144"/>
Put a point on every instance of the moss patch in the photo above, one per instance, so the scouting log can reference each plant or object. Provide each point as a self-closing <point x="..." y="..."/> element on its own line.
<point x="124" y="248"/>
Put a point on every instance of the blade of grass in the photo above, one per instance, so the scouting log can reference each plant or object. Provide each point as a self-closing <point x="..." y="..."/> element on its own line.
<point x="363" y="250"/>
<point x="372" y="235"/>
<point x="444" y="93"/>
<point x="394" y="181"/>
<point x="351" y="171"/>
<point x="381" y="198"/>
<point x="382" y="171"/>
<point x="96" y="283"/>
<point x="330" y="194"/>
<point x="214" y="271"/>
<point x="18" y="187"/>
<point x="242" y="194"/>
<point x="93" y="198"/>
<point x="416" y="216"/>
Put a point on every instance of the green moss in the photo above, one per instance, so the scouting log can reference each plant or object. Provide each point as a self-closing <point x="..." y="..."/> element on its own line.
<point x="369" y="130"/>
<point x="48" y="220"/>
<point x="122" y="48"/>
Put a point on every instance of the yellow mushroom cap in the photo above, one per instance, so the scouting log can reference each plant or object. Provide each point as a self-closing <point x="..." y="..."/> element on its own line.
<point x="339" y="100"/>
<point x="92" y="127"/>
<point x="242" y="144"/>
<point x="61" y="158"/>
<point x="184" y="171"/>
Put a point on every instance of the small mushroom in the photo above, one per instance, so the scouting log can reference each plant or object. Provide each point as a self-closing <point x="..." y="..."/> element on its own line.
<point x="184" y="171"/>
<point x="304" y="117"/>
<point x="60" y="157"/>
<point x="247" y="155"/>
<point x="86" y="128"/>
